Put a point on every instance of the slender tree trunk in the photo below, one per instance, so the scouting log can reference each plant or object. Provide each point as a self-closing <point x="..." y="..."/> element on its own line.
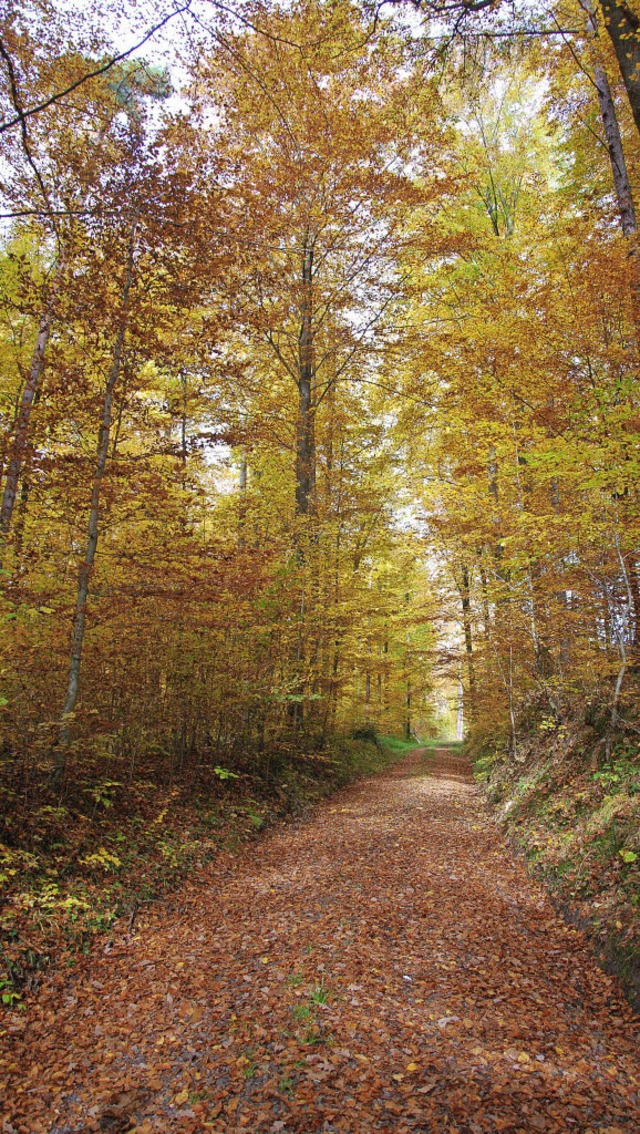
<point x="296" y="711"/>
<point x="408" y="723"/>
<point x="610" y="124"/>
<point x="615" y="148"/>
<point x="460" y="720"/>
<point x="512" y="711"/>
<point x="25" y="492"/>
<point x="494" y="492"/>
<point x="21" y="430"/>
<point x="492" y="471"/>
<point x="242" y="511"/>
<point x="621" y="184"/>
<point x="634" y="583"/>
<point x="465" y="597"/>
<point x="486" y="614"/>
<point x="305" y="448"/>
<point x="86" y="568"/>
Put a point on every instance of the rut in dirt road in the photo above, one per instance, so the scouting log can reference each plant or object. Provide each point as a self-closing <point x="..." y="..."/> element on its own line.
<point x="386" y="966"/>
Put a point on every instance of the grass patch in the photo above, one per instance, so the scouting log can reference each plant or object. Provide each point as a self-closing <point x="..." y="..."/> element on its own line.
<point x="398" y="746"/>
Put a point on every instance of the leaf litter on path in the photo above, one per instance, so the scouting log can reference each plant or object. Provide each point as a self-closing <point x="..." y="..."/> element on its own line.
<point x="387" y="966"/>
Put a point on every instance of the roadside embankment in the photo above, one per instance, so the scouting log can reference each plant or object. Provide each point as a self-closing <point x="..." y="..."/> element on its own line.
<point x="575" y="816"/>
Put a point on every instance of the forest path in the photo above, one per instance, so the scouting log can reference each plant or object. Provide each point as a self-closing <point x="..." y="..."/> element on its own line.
<point x="385" y="966"/>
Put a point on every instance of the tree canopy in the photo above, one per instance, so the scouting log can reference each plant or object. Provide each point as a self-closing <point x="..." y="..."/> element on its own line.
<point x="318" y="397"/>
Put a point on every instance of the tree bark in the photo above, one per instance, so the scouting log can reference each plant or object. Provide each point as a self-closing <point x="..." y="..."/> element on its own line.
<point x="23" y="503"/>
<point x="465" y="597"/>
<point x="242" y="511"/>
<point x="624" y="196"/>
<point x="86" y="568"/>
<point x="305" y="448"/>
<point x="621" y="183"/>
<point x="21" y="430"/>
<point x="616" y="153"/>
<point x="634" y="582"/>
<point x="623" y="26"/>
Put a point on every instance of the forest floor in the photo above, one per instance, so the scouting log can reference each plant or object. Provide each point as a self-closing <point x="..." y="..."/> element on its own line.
<point x="387" y="965"/>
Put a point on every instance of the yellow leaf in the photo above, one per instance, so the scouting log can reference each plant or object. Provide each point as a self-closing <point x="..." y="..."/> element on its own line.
<point x="412" y="1067"/>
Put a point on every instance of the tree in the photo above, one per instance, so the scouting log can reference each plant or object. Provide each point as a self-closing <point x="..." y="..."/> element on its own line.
<point x="326" y="198"/>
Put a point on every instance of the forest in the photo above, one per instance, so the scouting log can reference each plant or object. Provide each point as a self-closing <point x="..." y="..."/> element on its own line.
<point x="319" y="434"/>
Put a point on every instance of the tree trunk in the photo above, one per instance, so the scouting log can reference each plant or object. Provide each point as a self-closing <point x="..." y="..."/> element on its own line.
<point x="623" y="26"/>
<point x="86" y="568"/>
<point x="25" y="492"/>
<point x="634" y="583"/>
<point x="18" y="445"/>
<point x="616" y="153"/>
<point x="242" y="511"/>
<point x="305" y="448"/>
<point x="407" y="723"/>
<point x="622" y="186"/>
<point x="464" y="587"/>
<point x="465" y="596"/>
<point x="486" y="613"/>
<point x="494" y="492"/>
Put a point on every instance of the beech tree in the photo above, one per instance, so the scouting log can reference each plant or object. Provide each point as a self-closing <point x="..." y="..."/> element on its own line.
<point x="326" y="197"/>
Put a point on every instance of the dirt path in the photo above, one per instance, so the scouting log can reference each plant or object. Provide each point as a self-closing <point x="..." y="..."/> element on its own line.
<point x="387" y="966"/>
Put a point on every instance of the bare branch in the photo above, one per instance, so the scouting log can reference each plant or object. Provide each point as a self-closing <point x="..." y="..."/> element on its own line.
<point x="22" y="115"/>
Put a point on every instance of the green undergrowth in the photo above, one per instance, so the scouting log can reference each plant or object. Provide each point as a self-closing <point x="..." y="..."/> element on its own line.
<point x="79" y="861"/>
<point x="575" y="815"/>
<point x="399" y="746"/>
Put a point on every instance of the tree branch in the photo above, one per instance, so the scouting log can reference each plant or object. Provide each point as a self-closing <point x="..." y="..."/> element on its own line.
<point x="22" y="115"/>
